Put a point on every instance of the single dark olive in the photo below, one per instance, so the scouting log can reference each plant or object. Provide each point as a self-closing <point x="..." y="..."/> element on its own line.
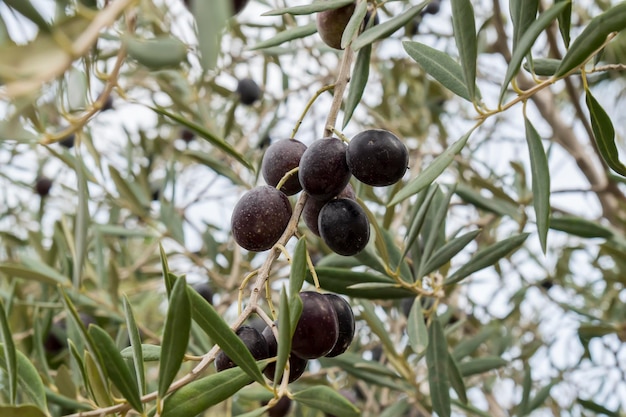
<point x="297" y="365"/>
<point x="317" y="330"/>
<point x="324" y="172"/>
<point x="204" y="290"/>
<point x="68" y="141"/>
<point x="249" y="92"/>
<point x="345" y="319"/>
<point x="253" y="340"/>
<point x="237" y="5"/>
<point x="260" y="218"/>
<point x="332" y="23"/>
<point x="377" y="157"/>
<point x="281" y="408"/>
<point x="43" y="185"/>
<point x="432" y="8"/>
<point x="187" y="135"/>
<point x="312" y="208"/>
<point x="344" y="227"/>
<point x="281" y="157"/>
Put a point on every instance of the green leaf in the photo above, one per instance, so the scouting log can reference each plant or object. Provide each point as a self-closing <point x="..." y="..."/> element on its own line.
<point x="354" y="24"/>
<point x="446" y="252"/>
<point x="10" y="356"/>
<point x="216" y="328"/>
<point x="592" y="37"/>
<point x="255" y="413"/>
<point x="543" y="66"/>
<point x="284" y="336"/>
<point x="135" y="346"/>
<point x="487" y="257"/>
<point x="205" y="134"/>
<point x="388" y="27"/>
<point x="375" y="324"/>
<point x="82" y="220"/>
<point x="431" y="172"/>
<point x="604" y="134"/>
<point x="526" y="387"/>
<point x="28" y="378"/>
<point x="437" y="362"/>
<point x="578" y="226"/>
<point x="398" y="408"/>
<point x="358" y="82"/>
<point x="480" y="365"/>
<point x="19" y="271"/>
<point x="540" y="182"/>
<point x="21" y="411"/>
<point x="298" y="267"/>
<point x="416" y="328"/>
<point x="340" y="280"/>
<point x="166" y="270"/>
<point x="98" y="389"/>
<point x="523" y="14"/>
<point x="527" y="41"/>
<point x="421" y="207"/>
<point x="467" y="346"/>
<point x="211" y="18"/>
<point x="199" y="395"/>
<point x="115" y="367"/>
<point x="565" y="22"/>
<point x="149" y="353"/>
<point x="175" y="335"/>
<point x="217" y="165"/>
<point x="287" y="35"/>
<point x="597" y="408"/>
<point x="368" y="371"/>
<point x="316" y="6"/>
<point x="493" y="204"/>
<point x="440" y="66"/>
<point x="540" y="398"/>
<point x="129" y="197"/>
<point x="465" y="36"/>
<point x="159" y="53"/>
<point x="327" y="400"/>
<point x="456" y="379"/>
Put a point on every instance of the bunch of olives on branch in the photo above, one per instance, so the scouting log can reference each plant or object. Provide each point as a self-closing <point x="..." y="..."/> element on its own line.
<point x="325" y="328"/>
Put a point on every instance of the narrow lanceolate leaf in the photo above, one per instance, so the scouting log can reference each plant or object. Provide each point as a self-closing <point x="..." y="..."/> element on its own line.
<point x="523" y="14"/>
<point x="287" y="35"/>
<point x="115" y="366"/>
<point x="341" y="280"/>
<point x="398" y="408"/>
<point x="354" y="24"/>
<point x="597" y="408"/>
<point x="527" y="41"/>
<point x="456" y="379"/>
<point x="387" y="28"/>
<point x="592" y="37"/>
<point x="158" y="53"/>
<point x="82" y="220"/>
<point x="28" y="378"/>
<point x="445" y="253"/>
<point x="298" y="267"/>
<point x="175" y="335"/>
<point x="487" y="257"/>
<point x="21" y="411"/>
<point x="578" y="226"/>
<point x="527" y="385"/>
<point x="216" y="328"/>
<point x="358" y="81"/>
<point x="416" y="328"/>
<point x="480" y="365"/>
<point x="465" y="36"/>
<point x="437" y="362"/>
<point x="211" y="18"/>
<point x="314" y="7"/>
<point x="205" y="134"/>
<point x="604" y="134"/>
<point x="327" y="400"/>
<point x="166" y="270"/>
<point x="284" y="336"/>
<point x="431" y="172"/>
<point x="540" y="182"/>
<point x="565" y="22"/>
<point x="149" y="353"/>
<point x="543" y="66"/>
<point x="10" y="356"/>
<point x="135" y="345"/>
<point x="421" y="207"/>
<point x="199" y="395"/>
<point x="440" y="66"/>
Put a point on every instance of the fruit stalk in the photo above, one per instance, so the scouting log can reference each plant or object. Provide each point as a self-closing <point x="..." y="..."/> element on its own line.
<point x="343" y="78"/>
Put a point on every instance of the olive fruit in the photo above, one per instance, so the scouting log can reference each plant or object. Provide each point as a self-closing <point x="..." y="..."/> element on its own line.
<point x="344" y="227"/>
<point x="345" y="319"/>
<point x="107" y="105"/>
<point x="204" y="290"/>
<point x="432" y="8"/>
<point x="332" y="23"/>
<point x="281" y="157"/>
<point x="43" y="185"/>
<point x="312" y="207"/>
<point x="260" y="218"/>
<point x="187" y="135"/>
<point x="377" y="157"/>
<point x="68" y="141"/>
<point x="281" y="408"/>
<point x="248" y="91"/>
<point x="323" y="169"/>
<point x="317" y="330"/>
<point x="297" y="365"/>
<point x="253" y="340"/>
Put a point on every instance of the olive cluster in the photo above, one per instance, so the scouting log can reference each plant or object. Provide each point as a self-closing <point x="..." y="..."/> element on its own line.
<point x="325" y="328"/>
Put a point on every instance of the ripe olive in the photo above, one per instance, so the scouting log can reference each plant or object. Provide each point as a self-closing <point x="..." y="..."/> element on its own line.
<point x="344" y="227"/>
<point x="324" y="172"/>
<point x="281" y="157"/>
<point x="187" y="135"/>
<point x="281" y="408"/>
<point x="377" y="157"/>
<point x="253" y="340"/>
<point x="312" y="207"/>
<point x="297" y="365"/>
<point x="317" y="329"/>
<point x="204" y="290"/>
<point x="237" y="5"/>
<point x="332" y="23"/>
<point x="248" y="91"/>
<point x="68" y="141"/>
<point x="345" y="319"/>
<point x="43" y="185"/>
<point x="260" y="218"/>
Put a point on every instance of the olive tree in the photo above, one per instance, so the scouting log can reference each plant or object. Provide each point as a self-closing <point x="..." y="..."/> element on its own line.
<point x="146" y="233"/>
